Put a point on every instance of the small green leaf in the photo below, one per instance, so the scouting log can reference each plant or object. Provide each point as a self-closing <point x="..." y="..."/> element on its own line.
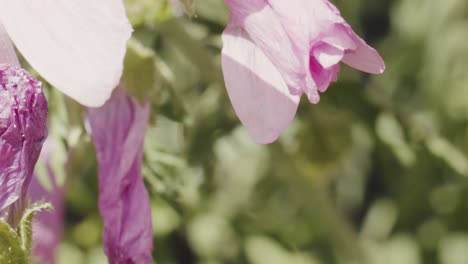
<point x="10" y="249"/>
<point x="26" y="225"/>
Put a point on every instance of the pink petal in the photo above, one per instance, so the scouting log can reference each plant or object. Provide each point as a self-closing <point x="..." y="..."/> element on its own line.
<point x="295" y="19"/>
<point x="322" y="16"/>
<point x="323" y="76"/>
<point x="306" y="23"/>
<point x="264" y="28"/>
<point x="339" y="37"/>
<point x="256" y="88"/>
<point x="77" y="46"/>
<point x="364" y="57"/>
<point x="118" y="129"/>
<point x="327" y="55"/>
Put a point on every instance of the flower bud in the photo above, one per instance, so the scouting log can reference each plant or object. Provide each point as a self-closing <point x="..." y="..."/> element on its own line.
<point x="23" y="116"/>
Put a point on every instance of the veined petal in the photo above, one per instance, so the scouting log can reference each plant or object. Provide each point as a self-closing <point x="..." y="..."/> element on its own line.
<point x="264" y="28"/>
<point x="295" y="21"/>
<point x="256" y="88"/>
<point x="77" y="46"/>
<point x="117" y="129"/>
<point x="305" y="22"/>
<point x="305" y="17"/>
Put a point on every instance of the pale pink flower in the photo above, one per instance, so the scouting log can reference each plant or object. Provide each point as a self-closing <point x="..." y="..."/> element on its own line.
<point x="77" y="46"/>
<point x="275" y="50"/>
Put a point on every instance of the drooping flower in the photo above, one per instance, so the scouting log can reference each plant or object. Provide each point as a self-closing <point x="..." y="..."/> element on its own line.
<point x="117" y="129"/>
<point x="77" y="46"/>
<point x="23" y="114"/>
<point x="274" y="51"/>
<point x="47" y="225"/>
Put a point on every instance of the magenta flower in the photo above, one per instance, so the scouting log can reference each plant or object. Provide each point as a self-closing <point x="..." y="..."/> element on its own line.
<point x="47" y="225"/>
<point x="275" y="51"/>
<point x="23" y="114"/>
<point x="118" y="129"/>
<point x="77" y="46"/>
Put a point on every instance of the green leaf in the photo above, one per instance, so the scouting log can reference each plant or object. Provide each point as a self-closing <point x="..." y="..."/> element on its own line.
<point x="10" y="246"/>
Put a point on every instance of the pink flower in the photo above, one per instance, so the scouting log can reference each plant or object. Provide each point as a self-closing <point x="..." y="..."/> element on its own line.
<point x="77" y="46"/>
<point x="118" y="129"/>
<point x="276" y="50"/>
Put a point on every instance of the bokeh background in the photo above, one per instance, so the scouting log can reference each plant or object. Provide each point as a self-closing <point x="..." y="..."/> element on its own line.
<point x="376" y="173"/>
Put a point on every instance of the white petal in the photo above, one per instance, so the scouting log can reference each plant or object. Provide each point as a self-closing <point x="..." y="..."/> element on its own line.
<point x="77" y="46"/>
<point x="7" y="52"/>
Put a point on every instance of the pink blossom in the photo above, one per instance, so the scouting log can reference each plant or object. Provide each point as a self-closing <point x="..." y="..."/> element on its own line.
<point x="77" y="46"/>
<point x="275" y="50"/>
<point x="118" y="129"/>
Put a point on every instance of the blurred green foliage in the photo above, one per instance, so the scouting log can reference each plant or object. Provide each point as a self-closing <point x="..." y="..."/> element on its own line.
<point x="376" y="173"/>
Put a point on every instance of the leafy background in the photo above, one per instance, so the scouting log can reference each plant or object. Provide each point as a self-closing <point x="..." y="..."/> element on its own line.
<point x="375" y="173"/>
